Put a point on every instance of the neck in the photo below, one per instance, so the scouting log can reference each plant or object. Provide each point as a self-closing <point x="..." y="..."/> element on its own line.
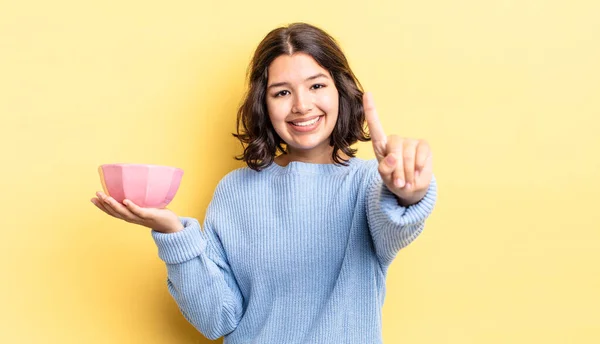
<point x="311" y="156"/>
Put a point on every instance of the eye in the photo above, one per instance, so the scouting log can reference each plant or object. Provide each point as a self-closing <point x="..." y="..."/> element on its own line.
<point x="281" y="93"/>
<point x="317" y="86"/>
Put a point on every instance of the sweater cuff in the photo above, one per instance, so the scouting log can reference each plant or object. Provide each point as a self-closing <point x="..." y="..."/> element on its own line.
<point x="412" y="214"/>
<point x="179" y="247"/>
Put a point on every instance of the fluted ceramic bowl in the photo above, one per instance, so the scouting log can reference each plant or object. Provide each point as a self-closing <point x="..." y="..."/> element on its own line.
<point x="148" y="186"/>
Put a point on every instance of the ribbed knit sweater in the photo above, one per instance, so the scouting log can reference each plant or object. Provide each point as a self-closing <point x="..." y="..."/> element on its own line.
<point x="294" y="254"/>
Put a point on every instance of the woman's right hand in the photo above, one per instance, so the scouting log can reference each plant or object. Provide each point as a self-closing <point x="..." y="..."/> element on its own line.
<point x="161" y="220"/>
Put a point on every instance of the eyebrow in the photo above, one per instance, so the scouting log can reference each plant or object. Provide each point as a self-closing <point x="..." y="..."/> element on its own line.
<point x="316" y="76"/>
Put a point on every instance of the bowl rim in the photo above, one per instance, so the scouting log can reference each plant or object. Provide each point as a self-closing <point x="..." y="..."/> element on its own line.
<point x="143" y="165"/>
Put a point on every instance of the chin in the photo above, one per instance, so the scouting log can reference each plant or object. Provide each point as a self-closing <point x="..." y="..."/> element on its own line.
<point x="308" y="146"/>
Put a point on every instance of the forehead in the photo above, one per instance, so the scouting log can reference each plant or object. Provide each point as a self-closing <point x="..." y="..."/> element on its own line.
<point x="294" y="68"/>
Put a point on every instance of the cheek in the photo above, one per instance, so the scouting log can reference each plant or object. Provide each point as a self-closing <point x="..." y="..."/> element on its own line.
<point x="330" y="103"/>
<point x="277" y="111"/>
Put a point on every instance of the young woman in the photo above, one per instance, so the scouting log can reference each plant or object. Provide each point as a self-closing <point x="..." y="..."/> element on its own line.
<point x="295" y="247"/>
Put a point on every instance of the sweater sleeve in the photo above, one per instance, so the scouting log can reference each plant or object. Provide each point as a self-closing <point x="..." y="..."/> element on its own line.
<point x="200" y="279"/>
<point x="392" y="226"/>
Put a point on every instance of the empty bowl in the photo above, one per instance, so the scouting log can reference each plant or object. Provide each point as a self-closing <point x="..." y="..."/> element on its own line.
<point x="148" y="186"/>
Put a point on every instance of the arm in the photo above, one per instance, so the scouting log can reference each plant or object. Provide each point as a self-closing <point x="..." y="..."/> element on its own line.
<point x="200" y="279"/>
<point x="393" y="226"/>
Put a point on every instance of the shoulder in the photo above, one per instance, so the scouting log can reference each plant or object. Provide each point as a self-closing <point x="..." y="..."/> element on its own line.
<point x="229" y="188"/>
<point x="367" y="174"/>
<point x="366" y="168"/>
<point x="367" y="164"/>
<point x="235" y="178"/>
<point x="240" y="179"/>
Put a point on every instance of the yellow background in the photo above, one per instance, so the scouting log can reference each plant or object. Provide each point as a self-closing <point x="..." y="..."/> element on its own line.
<point x="506" y="92"/>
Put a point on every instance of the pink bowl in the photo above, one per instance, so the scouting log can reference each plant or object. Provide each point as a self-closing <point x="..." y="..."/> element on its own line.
<point x="149" y="186"/>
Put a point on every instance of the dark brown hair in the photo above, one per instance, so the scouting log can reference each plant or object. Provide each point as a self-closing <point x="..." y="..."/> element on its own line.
<point x="254" y="129"/>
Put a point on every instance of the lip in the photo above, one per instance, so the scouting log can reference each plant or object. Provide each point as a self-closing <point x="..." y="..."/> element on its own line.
<point x="309" y="128"/>
<point x="304" y="119"/>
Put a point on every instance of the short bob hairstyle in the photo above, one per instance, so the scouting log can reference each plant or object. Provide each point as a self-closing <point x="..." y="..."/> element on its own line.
<point x="254" y="129"/>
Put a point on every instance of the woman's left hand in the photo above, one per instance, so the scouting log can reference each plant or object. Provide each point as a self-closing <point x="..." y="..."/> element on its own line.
<point x="405" y="164"/>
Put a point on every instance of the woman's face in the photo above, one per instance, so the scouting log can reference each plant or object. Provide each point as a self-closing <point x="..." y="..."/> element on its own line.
<point x="302" y="101"/>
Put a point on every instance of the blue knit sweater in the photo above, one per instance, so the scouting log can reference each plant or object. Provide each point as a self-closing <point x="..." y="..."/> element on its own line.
<point x="295" y="254"/>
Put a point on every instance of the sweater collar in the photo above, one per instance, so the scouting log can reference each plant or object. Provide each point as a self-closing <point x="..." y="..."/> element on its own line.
<point x="299" y="167"/>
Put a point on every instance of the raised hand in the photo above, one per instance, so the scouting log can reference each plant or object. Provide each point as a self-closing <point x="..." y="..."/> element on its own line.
<point x="160" y="220"/>
<point x="405" y="165"/>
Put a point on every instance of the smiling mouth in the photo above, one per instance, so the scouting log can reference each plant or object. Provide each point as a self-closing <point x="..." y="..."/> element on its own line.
<point x="306" y="123"/>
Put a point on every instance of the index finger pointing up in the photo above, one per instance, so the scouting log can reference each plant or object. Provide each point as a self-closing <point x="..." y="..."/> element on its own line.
<point x="375" y="129"/>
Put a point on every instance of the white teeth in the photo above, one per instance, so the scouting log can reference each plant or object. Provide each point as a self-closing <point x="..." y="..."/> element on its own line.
<point x="307" y="123"/>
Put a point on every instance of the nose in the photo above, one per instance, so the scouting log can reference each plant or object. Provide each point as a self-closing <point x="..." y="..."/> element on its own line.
<point x="302" y="103"/>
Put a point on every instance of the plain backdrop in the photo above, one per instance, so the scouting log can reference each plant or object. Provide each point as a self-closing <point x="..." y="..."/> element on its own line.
<point x="506" y="92"/>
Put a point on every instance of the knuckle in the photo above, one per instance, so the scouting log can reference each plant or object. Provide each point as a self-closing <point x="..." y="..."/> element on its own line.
<point x="383" y="168"/>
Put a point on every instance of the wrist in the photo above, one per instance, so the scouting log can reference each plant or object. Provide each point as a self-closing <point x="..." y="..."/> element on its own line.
<point x="410" y="200"/>
<point x="174" y="228"/>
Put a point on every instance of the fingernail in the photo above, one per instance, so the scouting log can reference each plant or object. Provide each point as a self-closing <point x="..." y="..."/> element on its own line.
<point x="417" y="173"/>
<point x="126" y="202"/>
<point x="408" y="185"/>
<point x="390" y="160"/>
<point x="399" y="182"/>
